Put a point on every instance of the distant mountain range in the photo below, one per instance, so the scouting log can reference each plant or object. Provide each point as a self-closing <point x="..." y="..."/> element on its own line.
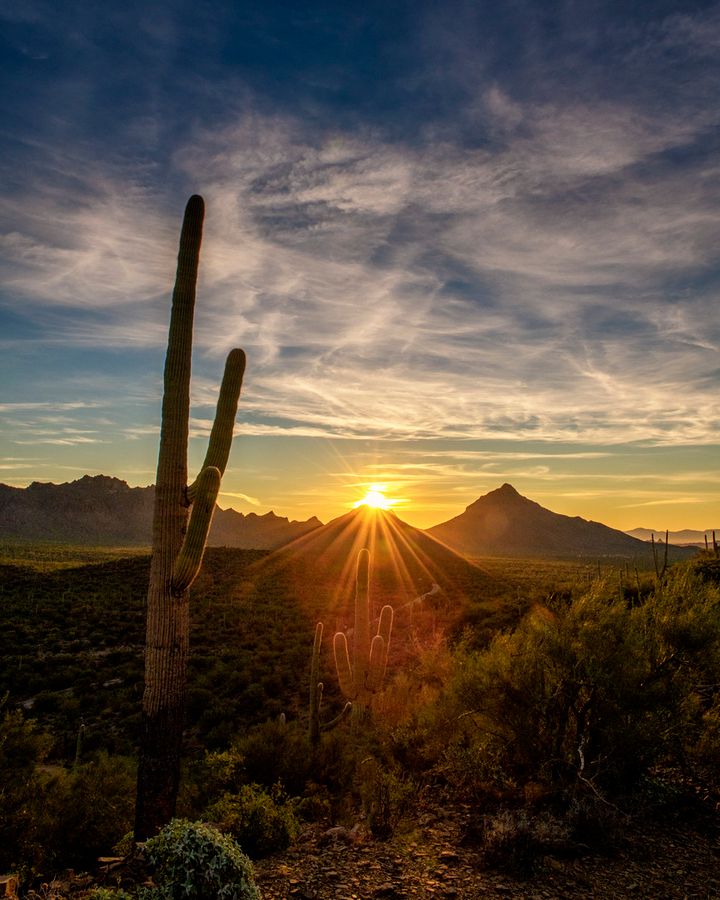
<point x="504" y="523"/>
<point x="103" y="510"/>
<point x="686" y="537"/>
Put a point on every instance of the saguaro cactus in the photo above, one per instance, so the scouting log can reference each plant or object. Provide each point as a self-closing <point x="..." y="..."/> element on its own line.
<point x="363" y="677"/>
<point x="181" y="522"/>
<point x="316" y="694"/>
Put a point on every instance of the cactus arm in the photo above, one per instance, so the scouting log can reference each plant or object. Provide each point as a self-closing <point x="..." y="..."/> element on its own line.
<point x="379" y="650"/>
<point x="376" y="668"/>
<point x="189" y="560"/>
<point x="342" y="664"/>
<point x="385" y="624"/>
<point x="333" y="723"/>
<point x="222" y="431"/>
<point x="316" y="692"/>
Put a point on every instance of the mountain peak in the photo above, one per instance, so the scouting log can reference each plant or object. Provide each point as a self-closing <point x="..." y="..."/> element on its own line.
<point x="506" y="493"/>
<point x="504" y="523"/>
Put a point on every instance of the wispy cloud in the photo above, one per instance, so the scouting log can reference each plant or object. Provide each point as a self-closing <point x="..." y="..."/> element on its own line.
<point x="552" y="282"/>
<point x="253" y="501"/>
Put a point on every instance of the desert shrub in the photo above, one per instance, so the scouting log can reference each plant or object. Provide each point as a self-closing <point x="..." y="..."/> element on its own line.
<point x="103" y="893"/>
<point x="262" y="822"/>
<point x="89" y="808"/>
<point x="195" y="861"/>
<point x="385" y="795"/>
<point x="53" y="816"/>
<point x="591" y="693"/>
<point x="22" y="747"/>
<point x="274" y="752"/>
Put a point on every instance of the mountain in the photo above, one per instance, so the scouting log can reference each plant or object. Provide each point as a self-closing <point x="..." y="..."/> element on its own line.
<point x="91" y="510"/>
<point x="104" y="510"/>
<point x="424" y="581"/>
<point x="504" y="523"/>
<point x="253" y="532"/>
<point x="682" y="538"/>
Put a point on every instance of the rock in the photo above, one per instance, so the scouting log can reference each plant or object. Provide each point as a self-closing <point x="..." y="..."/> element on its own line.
<point x="8" y="886"/>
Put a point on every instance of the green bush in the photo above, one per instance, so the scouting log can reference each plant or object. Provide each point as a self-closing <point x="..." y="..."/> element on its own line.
<point x="589" y="695"/>
<point x="103" y="893"/>
<point x="195" y="861"/>
<point x="22" y="747"/>
<point x="88" y="809"/>
<point x="261" y="822"/>
<point x="385" y="796"/>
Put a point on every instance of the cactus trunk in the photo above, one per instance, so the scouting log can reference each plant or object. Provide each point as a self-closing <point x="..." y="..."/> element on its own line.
<point x="181" y="522"/>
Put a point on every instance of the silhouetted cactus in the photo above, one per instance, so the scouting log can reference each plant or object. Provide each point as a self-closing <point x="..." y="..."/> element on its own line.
<point x="363" y="677"/>
<point x="660" y="565"/>
<point x="316" y="694"/>
<point x="181" y="522"/>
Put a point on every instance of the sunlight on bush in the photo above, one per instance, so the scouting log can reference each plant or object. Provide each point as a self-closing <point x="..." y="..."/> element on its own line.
<point x="592" y="693"/>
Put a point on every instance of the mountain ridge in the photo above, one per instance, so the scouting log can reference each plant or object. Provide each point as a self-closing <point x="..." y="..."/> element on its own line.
<point x="102" y="509"/>
<point x="680" y="538"/>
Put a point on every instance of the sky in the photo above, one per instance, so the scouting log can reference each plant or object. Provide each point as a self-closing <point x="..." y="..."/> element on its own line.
<point x="462" y="244"/>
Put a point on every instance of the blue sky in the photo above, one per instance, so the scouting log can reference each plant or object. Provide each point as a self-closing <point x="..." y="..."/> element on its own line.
<point x="461" y="244"/>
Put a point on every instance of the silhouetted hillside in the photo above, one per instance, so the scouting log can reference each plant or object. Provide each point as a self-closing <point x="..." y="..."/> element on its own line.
<point x="504" y="523"/>
<point x="91" y="510"/>
<point x="428" y="585"/>
<point x="104" y="510"/>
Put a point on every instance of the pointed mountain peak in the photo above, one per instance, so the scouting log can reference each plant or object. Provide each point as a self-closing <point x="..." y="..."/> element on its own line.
<point x="506" y="493"/>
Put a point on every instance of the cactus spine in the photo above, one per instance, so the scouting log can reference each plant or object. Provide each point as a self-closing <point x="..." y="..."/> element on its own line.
<point x="181" y="523"/>
<point x="362" y="677"/>
<point x="316" y="694"/>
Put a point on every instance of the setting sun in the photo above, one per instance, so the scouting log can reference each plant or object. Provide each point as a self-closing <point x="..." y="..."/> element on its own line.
<point x="375" y="499"/>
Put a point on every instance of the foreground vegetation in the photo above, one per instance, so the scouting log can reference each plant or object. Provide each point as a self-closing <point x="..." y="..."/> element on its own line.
<point x="581" y="700"/>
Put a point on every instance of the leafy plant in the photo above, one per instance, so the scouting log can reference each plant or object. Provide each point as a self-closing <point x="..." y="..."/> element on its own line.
<point x="385" y="797"/>
<point x="195" y="861"/>
<point x="262" y="822"/>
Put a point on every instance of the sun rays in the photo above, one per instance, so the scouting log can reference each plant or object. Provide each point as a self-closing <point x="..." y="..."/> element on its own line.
<point x="375" y="498"/>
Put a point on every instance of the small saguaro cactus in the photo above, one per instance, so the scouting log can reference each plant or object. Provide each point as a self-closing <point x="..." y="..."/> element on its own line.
<point x="316" y="694"/>
<point x="363" y="677"/>
<point x="181" y="522"/>
<point x="660" y="564"/>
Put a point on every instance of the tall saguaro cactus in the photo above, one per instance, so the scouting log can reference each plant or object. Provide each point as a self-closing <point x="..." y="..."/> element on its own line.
<point x="181" y="522"/>
<point x="362" y="677"/>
